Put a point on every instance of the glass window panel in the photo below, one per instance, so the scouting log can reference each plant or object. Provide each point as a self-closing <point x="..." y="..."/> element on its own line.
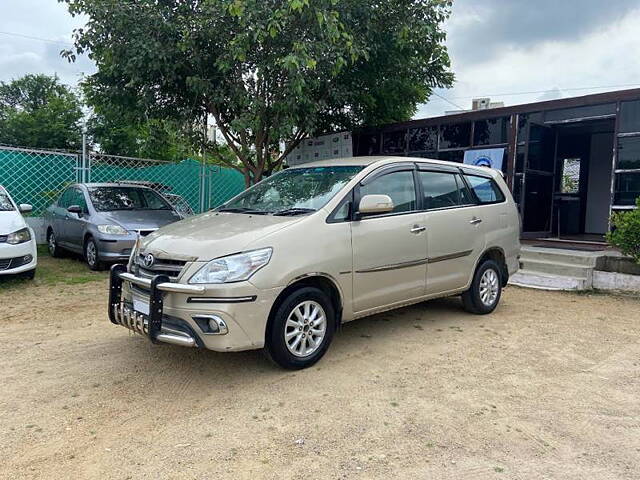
<point x="485" y="189"/>
<point x="77" y="198"/>
<point x="423" y="139"/>
<point x="394" y="142"/>
<point x="452" y="156"/>
<point x="466" y="198"/>
<point x="491" y="131"/>
<point x="627" y="188"/>
<point x="440" y="190"/>
<point x="520" y="154"/>
<point x="368" y="144"/>
<point x="580" y="112"/>
<point x="457" y="135"/>
<point x="570" y="175"/>
<point x="523" y="124"/>
<point x="629" y="152"/>
<point x="398" y="185"/>
<point x="541" y="148"/>
<point x="630" y="116"/>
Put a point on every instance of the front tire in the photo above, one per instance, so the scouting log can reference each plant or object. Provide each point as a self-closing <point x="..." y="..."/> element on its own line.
<point x="52" y="245"/>
<point x="92" y="255"/>
<point x="301" y="329"/>
<point x="485" y="291"/>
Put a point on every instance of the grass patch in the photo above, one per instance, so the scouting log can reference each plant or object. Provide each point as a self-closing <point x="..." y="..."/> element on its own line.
<point x="71" y="270"/>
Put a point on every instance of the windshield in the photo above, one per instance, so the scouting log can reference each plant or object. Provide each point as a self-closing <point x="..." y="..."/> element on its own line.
<point x="296" y="190"/>
<point x="107" y="199"/>
<point x="5" y="203"/>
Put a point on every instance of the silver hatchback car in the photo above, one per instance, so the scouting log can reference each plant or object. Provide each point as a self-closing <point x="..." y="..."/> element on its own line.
<point x="103" y="221"/>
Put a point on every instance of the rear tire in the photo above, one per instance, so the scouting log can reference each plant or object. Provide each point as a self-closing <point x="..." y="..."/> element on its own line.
<point x="301" y="329"/>
<point x="92" y="255"/>
<point x="485" y="291"/>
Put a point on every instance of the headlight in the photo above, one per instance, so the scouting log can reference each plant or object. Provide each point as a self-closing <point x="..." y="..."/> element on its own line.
<point x="112" y="229"/>
<point x="20" y="236"/>
<point x="234" y="268"/>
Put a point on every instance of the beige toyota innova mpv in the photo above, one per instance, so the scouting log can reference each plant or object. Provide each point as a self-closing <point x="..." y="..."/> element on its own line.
<point x="284" y="263"/>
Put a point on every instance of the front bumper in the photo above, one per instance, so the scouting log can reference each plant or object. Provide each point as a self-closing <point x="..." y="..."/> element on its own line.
<point x="115" y="248"/>
<point x="241" y="311"/>
<point x="15" y="253"/>
<point x="151" y="326"/>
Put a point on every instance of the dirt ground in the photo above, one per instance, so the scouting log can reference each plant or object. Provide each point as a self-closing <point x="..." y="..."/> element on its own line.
<point x="546" y="387"/>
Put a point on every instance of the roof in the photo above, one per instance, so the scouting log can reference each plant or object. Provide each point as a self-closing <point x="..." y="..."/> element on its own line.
<point x="112" y="184"/>
<point x="384" y="159"/>
<point x="580" y="101"/>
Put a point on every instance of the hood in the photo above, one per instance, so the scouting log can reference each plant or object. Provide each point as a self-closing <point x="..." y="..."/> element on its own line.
<point x="141" y="219"/>
<point x="11" y="221"/>
<point x="212" y="234"/>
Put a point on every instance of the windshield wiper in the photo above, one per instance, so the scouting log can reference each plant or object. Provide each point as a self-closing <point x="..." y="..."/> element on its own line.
<point x="242" y="210"/>
<point x="294" y="211"/>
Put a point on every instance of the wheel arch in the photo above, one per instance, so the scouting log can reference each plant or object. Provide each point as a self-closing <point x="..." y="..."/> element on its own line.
<point x="497" y="255"/>
<point x="321" y="281"/>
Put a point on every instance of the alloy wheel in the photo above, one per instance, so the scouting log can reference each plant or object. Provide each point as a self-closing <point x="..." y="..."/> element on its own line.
<point x="305" y="328"/>
<point x="489" y="287"/>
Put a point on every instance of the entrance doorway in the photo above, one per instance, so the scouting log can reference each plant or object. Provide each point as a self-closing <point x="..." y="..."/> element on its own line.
<point x="567" y="180"/>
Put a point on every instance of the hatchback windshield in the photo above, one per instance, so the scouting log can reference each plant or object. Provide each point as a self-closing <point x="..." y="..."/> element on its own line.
<point x="5" y="203"/>
<point x="296" y="190"/>
<point x="126" y="198"/>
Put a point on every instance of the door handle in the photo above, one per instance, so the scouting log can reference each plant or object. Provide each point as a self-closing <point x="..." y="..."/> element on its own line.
<point x="475" y="221"/>
<point x="418" y="228"/>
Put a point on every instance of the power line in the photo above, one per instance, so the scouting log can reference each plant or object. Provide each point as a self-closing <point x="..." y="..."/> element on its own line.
<point x="448" y="101"/>
<point x="29" y="37"/>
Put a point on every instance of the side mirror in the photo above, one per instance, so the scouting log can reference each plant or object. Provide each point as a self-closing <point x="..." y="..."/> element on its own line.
<point x="75" y="209"/>
<point x="25" y="208"/>
<point x="375" y="204"/>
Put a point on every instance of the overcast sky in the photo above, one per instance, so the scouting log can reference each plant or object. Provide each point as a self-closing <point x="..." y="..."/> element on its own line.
<point x="552" y="48"/>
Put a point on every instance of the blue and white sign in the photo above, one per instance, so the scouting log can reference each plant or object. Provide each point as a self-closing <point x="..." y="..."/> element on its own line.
<point x="487" y="157"/>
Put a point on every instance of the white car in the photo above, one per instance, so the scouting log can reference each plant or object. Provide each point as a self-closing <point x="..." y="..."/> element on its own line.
<point x="18" y="253"/>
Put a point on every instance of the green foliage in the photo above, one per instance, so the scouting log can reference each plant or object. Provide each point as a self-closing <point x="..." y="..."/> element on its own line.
<point x="38" y="111"/>
<point x="625" y="233"/>
<point x="269" y="71"/>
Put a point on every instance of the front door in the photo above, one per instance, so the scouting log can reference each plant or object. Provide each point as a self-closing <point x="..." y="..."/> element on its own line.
<point x="390" y="250"/>
<point x="75" y="223"/>
<point x="539" y="180"/>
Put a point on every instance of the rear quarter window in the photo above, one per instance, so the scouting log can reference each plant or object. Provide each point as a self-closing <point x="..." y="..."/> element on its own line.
<point x="485" y="189"/>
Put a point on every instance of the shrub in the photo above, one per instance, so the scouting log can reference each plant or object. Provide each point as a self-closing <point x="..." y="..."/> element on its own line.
<point x="625" y="232"/>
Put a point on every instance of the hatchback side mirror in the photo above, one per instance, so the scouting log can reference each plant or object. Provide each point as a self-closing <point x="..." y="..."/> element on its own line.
<point x="25" y="208"/>
<point x="75" y="209"/>
<point x="375" y="204"/>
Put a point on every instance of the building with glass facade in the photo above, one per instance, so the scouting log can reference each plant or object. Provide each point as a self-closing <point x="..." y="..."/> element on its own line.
<point x="569" y="162"/>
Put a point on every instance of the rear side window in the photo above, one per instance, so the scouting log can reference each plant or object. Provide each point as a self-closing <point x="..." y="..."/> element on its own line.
<point x="443" y="190"/>
<point x="398" y="185"/>
<point x="485" y="189"/>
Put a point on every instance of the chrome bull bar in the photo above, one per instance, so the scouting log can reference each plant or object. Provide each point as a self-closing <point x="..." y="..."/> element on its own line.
<point x="150" y="326"/>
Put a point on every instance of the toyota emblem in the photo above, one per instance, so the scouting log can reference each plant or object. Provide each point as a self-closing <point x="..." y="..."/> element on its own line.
<point x="148" y="260"/>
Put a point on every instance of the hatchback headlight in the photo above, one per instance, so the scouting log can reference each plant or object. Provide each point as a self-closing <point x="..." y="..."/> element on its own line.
<point x="20" y="236"/>
<point x="112" y="229"/>
<point x="234" y="268"/>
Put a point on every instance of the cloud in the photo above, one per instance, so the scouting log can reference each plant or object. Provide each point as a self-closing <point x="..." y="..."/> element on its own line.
<point x="549" y="51"/>
<point x="52" y="26"/>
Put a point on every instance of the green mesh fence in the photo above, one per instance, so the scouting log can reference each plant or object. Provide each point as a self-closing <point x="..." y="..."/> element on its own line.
<point x="37" y="177"/>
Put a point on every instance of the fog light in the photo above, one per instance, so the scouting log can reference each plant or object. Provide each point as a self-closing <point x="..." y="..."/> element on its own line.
<point x="211" y="324"/>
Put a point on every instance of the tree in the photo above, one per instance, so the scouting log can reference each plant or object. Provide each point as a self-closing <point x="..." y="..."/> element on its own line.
<point x="40" y="112"/>
<point x="270" y="72"/>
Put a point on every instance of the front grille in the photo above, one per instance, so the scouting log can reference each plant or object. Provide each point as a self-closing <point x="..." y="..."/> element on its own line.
<point x="161" y="266"/>
<point x="3" y="238"/>
<point x="9" y="263"/>
<point x="144" y="233"/>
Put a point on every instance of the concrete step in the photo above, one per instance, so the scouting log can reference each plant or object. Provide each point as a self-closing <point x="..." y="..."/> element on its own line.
<point x="557" y="268"/>
<point x="543" y="281"/>
<point x="574" y="257"/>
